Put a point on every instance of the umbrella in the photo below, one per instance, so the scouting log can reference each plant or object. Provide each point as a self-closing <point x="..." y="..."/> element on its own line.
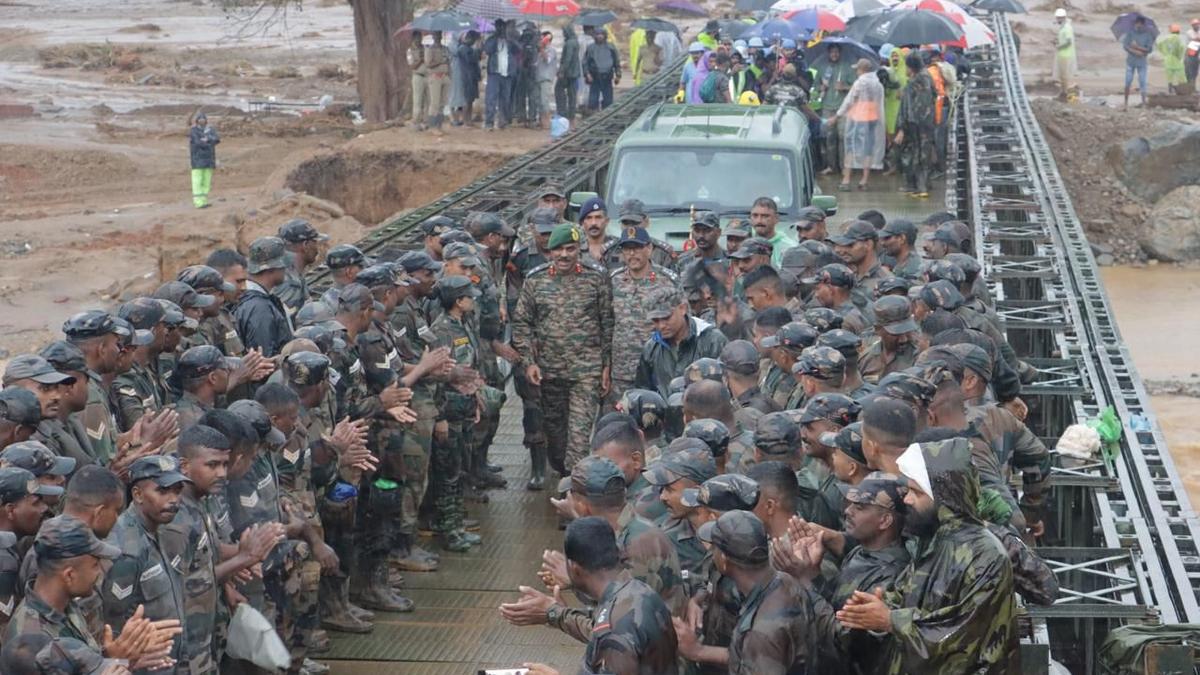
<point x="904" y="27"/>
<point x="776" y="29"/>
<point x="682" y="7"/>
<point x="848" y="9"/>
<point x="753" y="5"/>
<point x="594" y="17"/>
<point x="441" y="21"/>
<point x="733" y="29"/>
<point x="1013" y="6"/>
<point x="656" y="25"/>
<point x="812" y="20"/>
<point x="548" y="8"/>
<point x="792" y="5"/>
<point x="1124" y="24"/>
<point x="852" y="51"/>
<point x="489" y="9"/>
<point x="975" y="32"/>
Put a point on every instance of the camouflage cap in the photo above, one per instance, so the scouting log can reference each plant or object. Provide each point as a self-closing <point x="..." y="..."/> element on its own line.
<point x="740" y="535"/>
<point x="848" y="439"/>
<point x="551" y="188"/>
<point x="20" y="406"/>
<point x="381" y="276"/>
<point x="454" y="287"/>
<point x="941" y="356"/>
<point x="885" y="490"/>
<point x="752" y="247"/>
<point x="17" y="484"/>
<point x="345" y="255"/>
<point x="419" y="260"/>
<point x="489" y="223"/>
<point x="37" y="459"/>
<point x="695" y="464"/>
<point x="727" y="492"/>
<point x="318" y="313"/>
<point x="258" y="417"/>
<point x="823" y="319"/>
<point x="905" y="386"/>
<point x="183" y="295"/>
<point x="704" y="369"/>
<point x="563" y="234"/>
<point x="740" y="356"/>
<point x="199" y="361"/>
<point x="466" y="254"/>
<point x="708" y="219"/>
<point x="969" y="264"/>
<point x="662" y="301"/>
<point x="90" y="324"/>
<point x="632" y="211"/>
<point x="298" y="230"/>
<point x="855" y="231"/>
<point x="776" y="433"/>
<point x="64" y="356"/>
<point x="937" y="218"/>
<point x="36" y="368"/>
<point x="64" y="537"/>
<point x="304" y="369"/>
<point x="807" y="255"/>
<point x="822" y="363"/>
<point x="436" y="225"/>
<point x="941" y="295"/>
<point x="893" y="285"/>
<point x="143" y="313"/>
<point x="266" y="253"/>
<point x="356" y="298"/>
<point x="900" y="227"/>
<point x="594" y="476"/>
<point x="975" y="358"/>
<point x="953" y="232"/>
<point x="455" y="237"/>
<point x="174" y="317"/>
<point x="837" y="408"/>
<point x="203" y="277"/>
<point x="68" y="656"/>
<point x="796" y="336"/>
<point x="936" y="270"/>
<point x="162" y="469"/>
<point x="646" y="407"/>
<point x="712" y="433"/>
<point x="545" y="219"/>
<point x="322" y="337"/>
<point x="129" y="336"/>
<point x="894" y="315"/>
<point x="842" y="340"/>
<point x="834" y="274"/>
<point x="738" y="229"/>
<point x="810" y="214"/>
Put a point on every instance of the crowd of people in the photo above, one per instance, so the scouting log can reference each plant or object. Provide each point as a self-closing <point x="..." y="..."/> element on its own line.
<point x="789" y="447"/>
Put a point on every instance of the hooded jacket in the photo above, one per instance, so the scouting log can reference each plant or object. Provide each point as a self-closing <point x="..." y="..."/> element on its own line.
<point x="568" y="61"/>
<point x="660" y="362"/>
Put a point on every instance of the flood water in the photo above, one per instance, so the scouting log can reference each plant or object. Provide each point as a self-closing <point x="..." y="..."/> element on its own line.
<point x="1158" y="311"/>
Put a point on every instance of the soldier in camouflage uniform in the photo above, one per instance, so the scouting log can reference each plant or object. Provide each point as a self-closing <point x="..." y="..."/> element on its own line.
<point x="344" y="261"/>
<point x="95" y="334"/>
<point x="563" y="330"/>
<point x="706" y="234"/>
<point x="896" y="347"/>
<point x="675" y="472"/>
<point x="741" y="362"/>
<point x="34" y="374"/>
<point x="786" y="346"/>
<point x="632" y="213"/>
<point x="850" y="346"/>
<point x="915" y="129"/>
<point x="776" y="439"/>
<point x="64" y="434"/>
<point x="22" y="496"/>
<point x="833" y="288"/>
<point x="824" y="414"/>
<point x="822" y="370"/>
<point x="649" y="412"/>
<point x="139" y="390"/>
<point x="714" y="434"/>
<point x="304" y="245"/>
<point x="217" y="328"/>
<point x="620" y="442"/>
<point x="45" y="466"/>
<point x="708" y="402"/>
<point x="898" y="239"/>
<point x="202" y="374"/>
<point x="631" y="285"/>
<point x="857" y="246"/>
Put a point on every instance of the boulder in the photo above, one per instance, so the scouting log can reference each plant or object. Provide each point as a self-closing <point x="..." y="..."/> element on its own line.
<point x="1152" y="166"/>
<point x="1172" y="232"/>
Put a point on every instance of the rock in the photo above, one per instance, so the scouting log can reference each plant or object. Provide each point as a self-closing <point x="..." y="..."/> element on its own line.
<point x="1150" y="167"/>
<point x="1105" y="260"/>
<point x="232" y="220"/>
<point x="1172" y="232"/>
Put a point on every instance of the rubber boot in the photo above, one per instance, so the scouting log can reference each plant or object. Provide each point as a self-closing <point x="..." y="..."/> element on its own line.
<point x="336" y="614"/>
<point x="537" y="468"/>
<point x="403" y="558"/>
<point x="378" y="595"/>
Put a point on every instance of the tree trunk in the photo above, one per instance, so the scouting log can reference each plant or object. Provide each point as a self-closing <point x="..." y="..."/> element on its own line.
<point x="382" y="69"/>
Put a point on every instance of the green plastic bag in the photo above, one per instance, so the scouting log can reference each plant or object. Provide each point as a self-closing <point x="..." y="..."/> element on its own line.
<point x="1110" y="430"/>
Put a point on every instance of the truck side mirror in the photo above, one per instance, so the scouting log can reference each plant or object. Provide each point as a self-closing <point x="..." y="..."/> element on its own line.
<point x="576" y="199"/>
<point x="827" y="203"/>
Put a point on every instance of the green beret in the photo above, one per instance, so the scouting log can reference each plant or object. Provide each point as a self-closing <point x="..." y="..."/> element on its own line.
<point x="564" y="234"/>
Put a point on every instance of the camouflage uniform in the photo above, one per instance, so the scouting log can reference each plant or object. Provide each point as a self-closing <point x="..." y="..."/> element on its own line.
<point x="193" y="537"/>
<point x="66" y="439"/>
<point x="408" y="323"/>
<point x="190" y="409"/>
<point x="298" y="489"/>
<point x="10" y="586"/>
<point x="99" y="421"/>
<point x="631" y="327"/>
<point x="650" y="557"/>
<point x="632" y="631"/>
<point x="220" y="331"/>
<point x="645" y="500"/>
<point x="918" y="153"/>
<point x="662" y="255"/>
<point x="1016" y="447"/>
<point x="293" y="292"/>
<point x="138" y="391"/>
<point x="34" y="615"/>
<point x="912" y="268"/>
<point x="458" y="411"/>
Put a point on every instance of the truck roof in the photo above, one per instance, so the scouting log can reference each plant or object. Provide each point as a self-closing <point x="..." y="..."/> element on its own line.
<point x="765" y="126"/>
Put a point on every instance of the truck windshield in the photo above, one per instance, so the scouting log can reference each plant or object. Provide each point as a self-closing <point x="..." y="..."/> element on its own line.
<point x="679" y="177"/>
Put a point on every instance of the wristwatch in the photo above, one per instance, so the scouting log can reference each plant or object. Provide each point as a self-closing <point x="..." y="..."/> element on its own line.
<point x="554" y="615"/>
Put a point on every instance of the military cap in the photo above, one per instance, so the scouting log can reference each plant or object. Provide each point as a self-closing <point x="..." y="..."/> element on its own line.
<point x="633" y="234"/>
<point x="893" y="285"/>
<point x="462" y="251"/>
<point x="455" y="236"/>
<point x="318" y="313"/>
<point x="37" y="459"/>
<point x="646" y="407"/>
<point x="695" y="464"/>
<point x="380" y="276"/>
<point x="848" y="439"/>
<point x="594" y="476"/>
<point x="886" y="490"/>
<point x="299" y="230"/>
<point x="64" y="537"/>
<point x="453" y="287"/>
<point x="661" y="301"/>
<point x="834" y="274"/>
<point x="592" y="205"/>
<point x="266" y="253"/>
<point x="855" y="230"/>
<point x="162" y="469"/>
<point x="807" y="254"/>
<point x="545" y="219"/>
<point x="708" y="219"/>
<point x="419" y="260"/>
<point x="900" y="227"/>
<point x="551" y="188"/>
<point x="941" y="356"/>
<point x="727" y="492"/>
<point x="199" y="361"/>
<point x="937" y="218"/>
<point x="795" y="335"/>
<point x="969" y="264"/>
<point x="738" y="229"/>
<point x="183" y="295"/>
<point x="318" y="335"/>
<point x="129" y="335"/>
<point x="712" y="433"/>
<point x="90" y="324"/>
<point x="837" y="408"/>
<point x="873" y="216"/>
<point x="142" y="313"/>
<point x="809" y="216"/>
<point x="68" y="656"/>
<point x="304" y="369"/>
<point x="675" y="393"/>
<point x="954" y="233"/>
<point x="894" y="314"/>
<point x="201" y="277"/>
<point x="740" y="356"/>
<point x="64" y="356"/>
<point x="740" y="535"/>
<point x="704" y="369"/>
<point x="436" y="225"/>
<point x="975" y="358"/>
<point x="487" y="223"/>
<point x="941" y="295"/>
<point x="258" y="417"/>
<point x="936" y="270"/>
<point x="823" y="319"/>
<point x="905" y="386"/>
<point x="752" y="247"/>
<point x="174" y="317"/>
<point x="36" y="368"/>
<point x="776" y="431"/>
<point x="17" y="483"/>
<point x="356" y="297"/>
<point x="20" y="406"/>
<point x="842" y="340"/>
<point x="632" y="211"/>
<point x="822" y="363"/>
<point x="562" y="235"/>
<point x="345" y="255"/>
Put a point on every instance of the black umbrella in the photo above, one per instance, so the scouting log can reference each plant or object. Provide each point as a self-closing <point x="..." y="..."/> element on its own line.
<point x="442" y="21"/>
<point x="1012" y="6"/>
<point x="732" y="28"/>
<point x="594" y="17"/>
<point x="656" y="25"/>
<point x="904" y="27"/>
<point x="818" y="54"/>
<point x="753" y="5"/>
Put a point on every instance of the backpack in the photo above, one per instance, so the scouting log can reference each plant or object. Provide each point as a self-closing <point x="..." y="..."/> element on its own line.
<point x="708" y="88"/>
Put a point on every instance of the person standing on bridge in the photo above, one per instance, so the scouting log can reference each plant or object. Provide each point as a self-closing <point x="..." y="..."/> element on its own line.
<point x="863" y="133"/>
<point x="202" y="145"/>
<point x="915" y="135"/>
<point x="602" y="70"/>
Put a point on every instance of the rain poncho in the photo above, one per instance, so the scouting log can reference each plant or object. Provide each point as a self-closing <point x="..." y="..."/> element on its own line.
<point x="697" y="79"/>
<point x="1064" y="55"/>
<point x="1171" y="48"/>
<point x="861" y="112"/>
<point x="898" y="74"/>
<point x="670" y="45"/>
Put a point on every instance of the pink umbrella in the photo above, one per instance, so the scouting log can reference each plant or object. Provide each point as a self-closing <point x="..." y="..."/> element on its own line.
<point x="815" y="19"/>
<point x="548" y="8"/>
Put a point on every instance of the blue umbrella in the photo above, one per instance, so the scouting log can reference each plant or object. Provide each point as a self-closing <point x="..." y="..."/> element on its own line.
<point x="1124" y="24"/>
<point x="852" y="51"/>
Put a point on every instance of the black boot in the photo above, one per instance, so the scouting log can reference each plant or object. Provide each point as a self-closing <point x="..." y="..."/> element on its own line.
<point x="537" y="468"/>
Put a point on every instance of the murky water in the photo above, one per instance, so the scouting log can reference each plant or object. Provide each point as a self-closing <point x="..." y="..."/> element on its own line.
<point x="1158" y="312"/>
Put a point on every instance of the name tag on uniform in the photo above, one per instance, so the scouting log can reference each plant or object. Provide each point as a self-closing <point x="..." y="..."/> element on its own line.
<point x="402" y="332"/>
<point x="458" y="342"/>
<point x="393" y="356"/>
<point x="334" y="377"/>
<point x="231" y="335"/>
<point x="151" y="573"/>
<point x="249" y="501"/>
